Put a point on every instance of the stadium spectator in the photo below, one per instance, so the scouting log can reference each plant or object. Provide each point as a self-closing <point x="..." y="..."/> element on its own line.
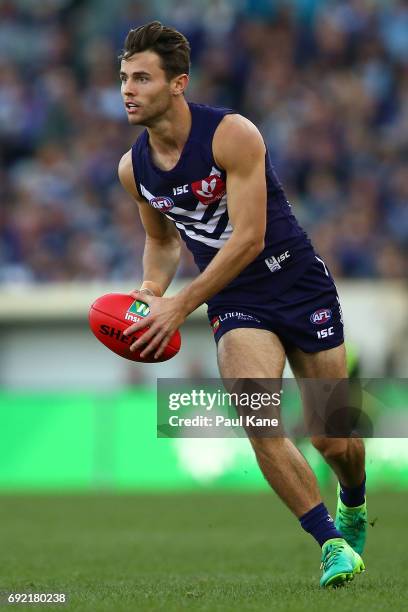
<point x="327" y="82"/>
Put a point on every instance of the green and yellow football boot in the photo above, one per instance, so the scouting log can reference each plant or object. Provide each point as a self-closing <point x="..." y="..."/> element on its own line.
<point x="340" y="563"/>
<point x="352" y="524"/>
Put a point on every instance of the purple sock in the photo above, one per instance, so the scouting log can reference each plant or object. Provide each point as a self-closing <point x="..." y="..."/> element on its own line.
<point x="319" y="524"/>
<point x="353" y="496"/>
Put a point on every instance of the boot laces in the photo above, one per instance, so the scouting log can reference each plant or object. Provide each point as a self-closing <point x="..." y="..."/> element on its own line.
<point x="331" y="554"/>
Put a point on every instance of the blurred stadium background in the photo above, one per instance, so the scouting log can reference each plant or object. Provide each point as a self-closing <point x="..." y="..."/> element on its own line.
<point x="326" y="82"/>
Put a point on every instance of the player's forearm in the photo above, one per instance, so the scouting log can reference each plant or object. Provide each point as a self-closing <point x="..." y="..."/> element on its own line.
<point x="160" y="262"/>
<point x="234" y="256"/>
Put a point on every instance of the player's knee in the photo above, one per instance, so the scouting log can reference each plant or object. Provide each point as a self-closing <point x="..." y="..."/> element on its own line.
<point x="331" y="448"/>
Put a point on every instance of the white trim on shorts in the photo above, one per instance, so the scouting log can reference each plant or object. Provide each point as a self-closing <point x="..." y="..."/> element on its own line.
<point x="323" y="264"/>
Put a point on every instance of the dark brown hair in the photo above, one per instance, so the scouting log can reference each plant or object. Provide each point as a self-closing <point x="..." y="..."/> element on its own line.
<point x="170" y="45"/>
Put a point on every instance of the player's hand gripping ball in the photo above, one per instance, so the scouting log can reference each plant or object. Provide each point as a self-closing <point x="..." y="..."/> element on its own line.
<point x="112" y="313"/>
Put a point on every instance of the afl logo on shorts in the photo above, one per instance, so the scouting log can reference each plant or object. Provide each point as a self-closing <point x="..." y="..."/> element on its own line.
<point x="321" y="316"/>
<point x="162" y="203"/>
<point x="209" y="190"/>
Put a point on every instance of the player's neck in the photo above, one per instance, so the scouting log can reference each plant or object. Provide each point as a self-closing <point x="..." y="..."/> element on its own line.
<point x="171" y="132"/>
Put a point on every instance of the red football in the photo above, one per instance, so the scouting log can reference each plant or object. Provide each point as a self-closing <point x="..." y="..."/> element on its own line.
<point x="112" y="313"/>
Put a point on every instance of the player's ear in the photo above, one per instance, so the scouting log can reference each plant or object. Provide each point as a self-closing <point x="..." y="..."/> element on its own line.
<point x="179" y="84"/>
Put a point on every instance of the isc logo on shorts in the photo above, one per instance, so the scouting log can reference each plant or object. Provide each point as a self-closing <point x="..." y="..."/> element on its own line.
<point x="325" y="333"/>
<point x="321" y="316"/>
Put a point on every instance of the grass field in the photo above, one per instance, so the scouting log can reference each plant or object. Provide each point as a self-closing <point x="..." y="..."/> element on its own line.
<point x="213" y="552"/>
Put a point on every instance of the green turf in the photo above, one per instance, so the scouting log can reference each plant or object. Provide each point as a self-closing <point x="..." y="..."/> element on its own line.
<point x="214" y="552"/>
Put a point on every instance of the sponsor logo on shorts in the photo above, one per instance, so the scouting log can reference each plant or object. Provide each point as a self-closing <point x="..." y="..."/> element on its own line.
<point x="162" y="203"/>
<point x="225" y="316"/>
<point x="215" y="323"/>
<point x="321" y="316"/>
<point x="138" y="310"/>
<point x="241" y="316"/>
<point x="274" y="263"/>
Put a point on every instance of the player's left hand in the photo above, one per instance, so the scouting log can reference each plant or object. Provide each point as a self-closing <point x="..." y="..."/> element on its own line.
<point x="165" y="317"/>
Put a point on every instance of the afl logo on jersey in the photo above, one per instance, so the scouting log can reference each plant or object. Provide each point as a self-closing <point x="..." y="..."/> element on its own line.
<point x="321" y="316"/>
<point x="209" y="190"/>
<point x="162" y="203"/>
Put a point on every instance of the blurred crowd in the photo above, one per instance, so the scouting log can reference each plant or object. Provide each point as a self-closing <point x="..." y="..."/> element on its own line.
<point x="325" y="81"/>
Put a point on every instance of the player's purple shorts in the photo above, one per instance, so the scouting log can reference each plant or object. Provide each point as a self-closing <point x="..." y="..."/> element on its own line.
<point x="307" y="316"/>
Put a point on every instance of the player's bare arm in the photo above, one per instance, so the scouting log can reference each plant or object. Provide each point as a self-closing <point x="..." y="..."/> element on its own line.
<point x="239" y="149"/>
<point x="162" y="246"/>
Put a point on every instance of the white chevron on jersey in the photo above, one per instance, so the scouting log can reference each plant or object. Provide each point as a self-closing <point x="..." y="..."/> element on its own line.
<point x="208" y="227"/>
<point x="212" y="242"/>
<point x="196" y="216"/>
<point x="146" y="193"/>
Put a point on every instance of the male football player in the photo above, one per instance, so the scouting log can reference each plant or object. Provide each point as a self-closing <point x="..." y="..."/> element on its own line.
<point x="203" y="175"/>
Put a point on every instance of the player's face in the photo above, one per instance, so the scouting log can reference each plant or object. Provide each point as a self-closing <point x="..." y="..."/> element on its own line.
<point x="146" y="92"/>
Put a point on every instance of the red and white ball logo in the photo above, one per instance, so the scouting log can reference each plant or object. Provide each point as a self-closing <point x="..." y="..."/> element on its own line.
<point x="209" y="190"/>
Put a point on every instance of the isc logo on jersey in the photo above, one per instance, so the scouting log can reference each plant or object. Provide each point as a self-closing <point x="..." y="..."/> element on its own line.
<point x="180" y="190"/>
<point x="209" y="190"/>
<point x="162" y="203"/>
<point x="321" y="316"/>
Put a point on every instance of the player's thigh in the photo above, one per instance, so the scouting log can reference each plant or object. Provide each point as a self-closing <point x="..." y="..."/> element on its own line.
<point x="322" y="416"/>
<point x="323" y="364"/>
<point x="250" y="353"/>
